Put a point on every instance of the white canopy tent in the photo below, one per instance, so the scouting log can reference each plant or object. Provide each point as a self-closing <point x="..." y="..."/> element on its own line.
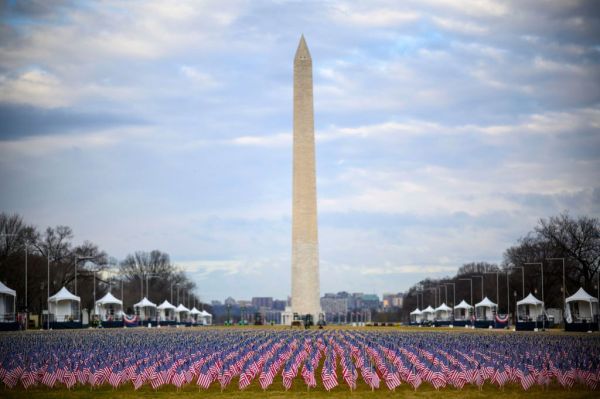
<point x="428" y="313"/>
<point x="145" y="309"/>
<point x="206" y="318"/>
<point x="109" y="308"/>
<point x="166" y="311"/>
<point x="529" y="308"/>
<point x="416" y="316"/>
<point x="194" y="313"/>
<point x="443" y="312"/>
<point x="64" y="306"/>
<point x="461" y="311"/>
<point x="8" y="299"/>
<point x="582" y="306"/>
<point x="484" y="310"/>
<point x="182" y="313"/>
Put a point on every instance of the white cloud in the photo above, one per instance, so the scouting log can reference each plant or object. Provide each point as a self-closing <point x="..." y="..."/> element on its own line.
<point x="207" y="269"/>
<point x="460" y="26"/>
<point x="545" y="65"/>
<point x="36" y="87"/>
<point x="145" y="30"/>
<point x="380" y="17"/>
<point x="197" y="77"/>
<point x="405" y="269"/>
<point x="36" y="146"/>
<point x="432" y="190"/>
<point x="474" y="8"/>
<point x="549" y="123"/>
<point x="277" y="140"/>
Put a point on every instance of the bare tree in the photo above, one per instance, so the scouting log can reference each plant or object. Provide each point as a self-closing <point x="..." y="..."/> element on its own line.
<point x="163" y="275"/>
<point x="477" y="268"/>
<point x="576" y="239"/>
<point x="142" y="263"/>
<point x="12" y="233"/>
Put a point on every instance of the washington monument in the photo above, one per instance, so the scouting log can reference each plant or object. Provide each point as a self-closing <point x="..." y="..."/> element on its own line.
<point x="305" y="239"/>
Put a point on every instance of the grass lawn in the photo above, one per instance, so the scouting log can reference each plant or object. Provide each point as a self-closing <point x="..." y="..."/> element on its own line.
<point x="276" y="390"/>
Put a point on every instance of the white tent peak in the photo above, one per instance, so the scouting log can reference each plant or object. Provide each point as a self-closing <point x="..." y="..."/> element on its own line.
<point x="428" y="309"/>
<point x="165" y="305"/>
<point x="443" y="307"/>
<point x="195" y="311"/>
<point x="144" y="303"/>
<point x="463" y="305"/>
<point x="530" y="300"/>
<point x="205" y="313"/>
<point x="581" y="295"/>
<point x="109" y="299"/>
<point x="416" y="311"/>
<point x="5" y="290"/>
<point x="64" y="295"/>
<point x="181" y="308"/>
<point x="485" y="303"/>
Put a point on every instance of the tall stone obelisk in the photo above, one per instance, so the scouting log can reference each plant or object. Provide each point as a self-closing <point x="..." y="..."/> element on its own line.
<point x="305" y="240"/>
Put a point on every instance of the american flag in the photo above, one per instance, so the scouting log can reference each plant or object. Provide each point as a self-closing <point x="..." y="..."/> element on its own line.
<point x="328" y="372"/>
<point x="349" y="372"/>
<point x="308" y="374"/>
<point x="166" y="357"/>
<point x="49" y="378"/>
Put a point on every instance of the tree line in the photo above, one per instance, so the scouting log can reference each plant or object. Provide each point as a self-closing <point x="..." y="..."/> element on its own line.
<point x="23" y="247"/>
<point x="558" y="238"/>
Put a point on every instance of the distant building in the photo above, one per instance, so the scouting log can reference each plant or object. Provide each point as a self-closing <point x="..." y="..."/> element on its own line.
<point x="334" y="308"/>
<point x="392" y="301"/>
<point x="230" y="301"/>
<point x="216" y="303"/>
<point x="279" y="304"/>
<point x="370" y="301"/>
<point x="244" y="303"/>
<point x="262" y="302"/>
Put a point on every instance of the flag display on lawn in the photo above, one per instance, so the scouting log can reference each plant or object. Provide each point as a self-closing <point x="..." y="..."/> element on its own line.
<point x="329" y="359"/>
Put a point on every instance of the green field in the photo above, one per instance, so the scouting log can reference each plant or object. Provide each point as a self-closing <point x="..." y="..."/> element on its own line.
<point x="277" y="391"/>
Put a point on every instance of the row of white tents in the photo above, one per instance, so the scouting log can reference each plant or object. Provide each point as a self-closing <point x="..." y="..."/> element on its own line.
<point x="109" y="308"/>
<point x="581" y="307"/>
<point x="483" y="311"/>
<point x="65" y="306"/>
<point x="166" y="311"/>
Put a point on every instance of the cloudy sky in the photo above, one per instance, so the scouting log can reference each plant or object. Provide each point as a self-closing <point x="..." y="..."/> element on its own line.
<point x="445" y="130"/>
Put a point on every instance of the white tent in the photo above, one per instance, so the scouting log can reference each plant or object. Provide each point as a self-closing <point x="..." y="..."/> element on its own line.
<point x="583" y="306"/>
<point x="206" y="318"/>
<point x="145" y="309"/>
<point x="166" y="311"/>
<point x="443" y="312"/>
<point x="7" y="309"/>
<point x="529" y="308"/>
<point x="194" y="313"/>
<point x="182" y="313"/>
<point x="428" y="313"/>
<point x="64" y="306"/>
<point x="484" y="310"/>
<point x="109" y="308"/>
<point x="416" y="316"/>
<point x="463" y="309"/>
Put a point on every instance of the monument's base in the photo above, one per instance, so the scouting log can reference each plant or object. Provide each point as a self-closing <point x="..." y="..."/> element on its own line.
<point x="288" y="316"/>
